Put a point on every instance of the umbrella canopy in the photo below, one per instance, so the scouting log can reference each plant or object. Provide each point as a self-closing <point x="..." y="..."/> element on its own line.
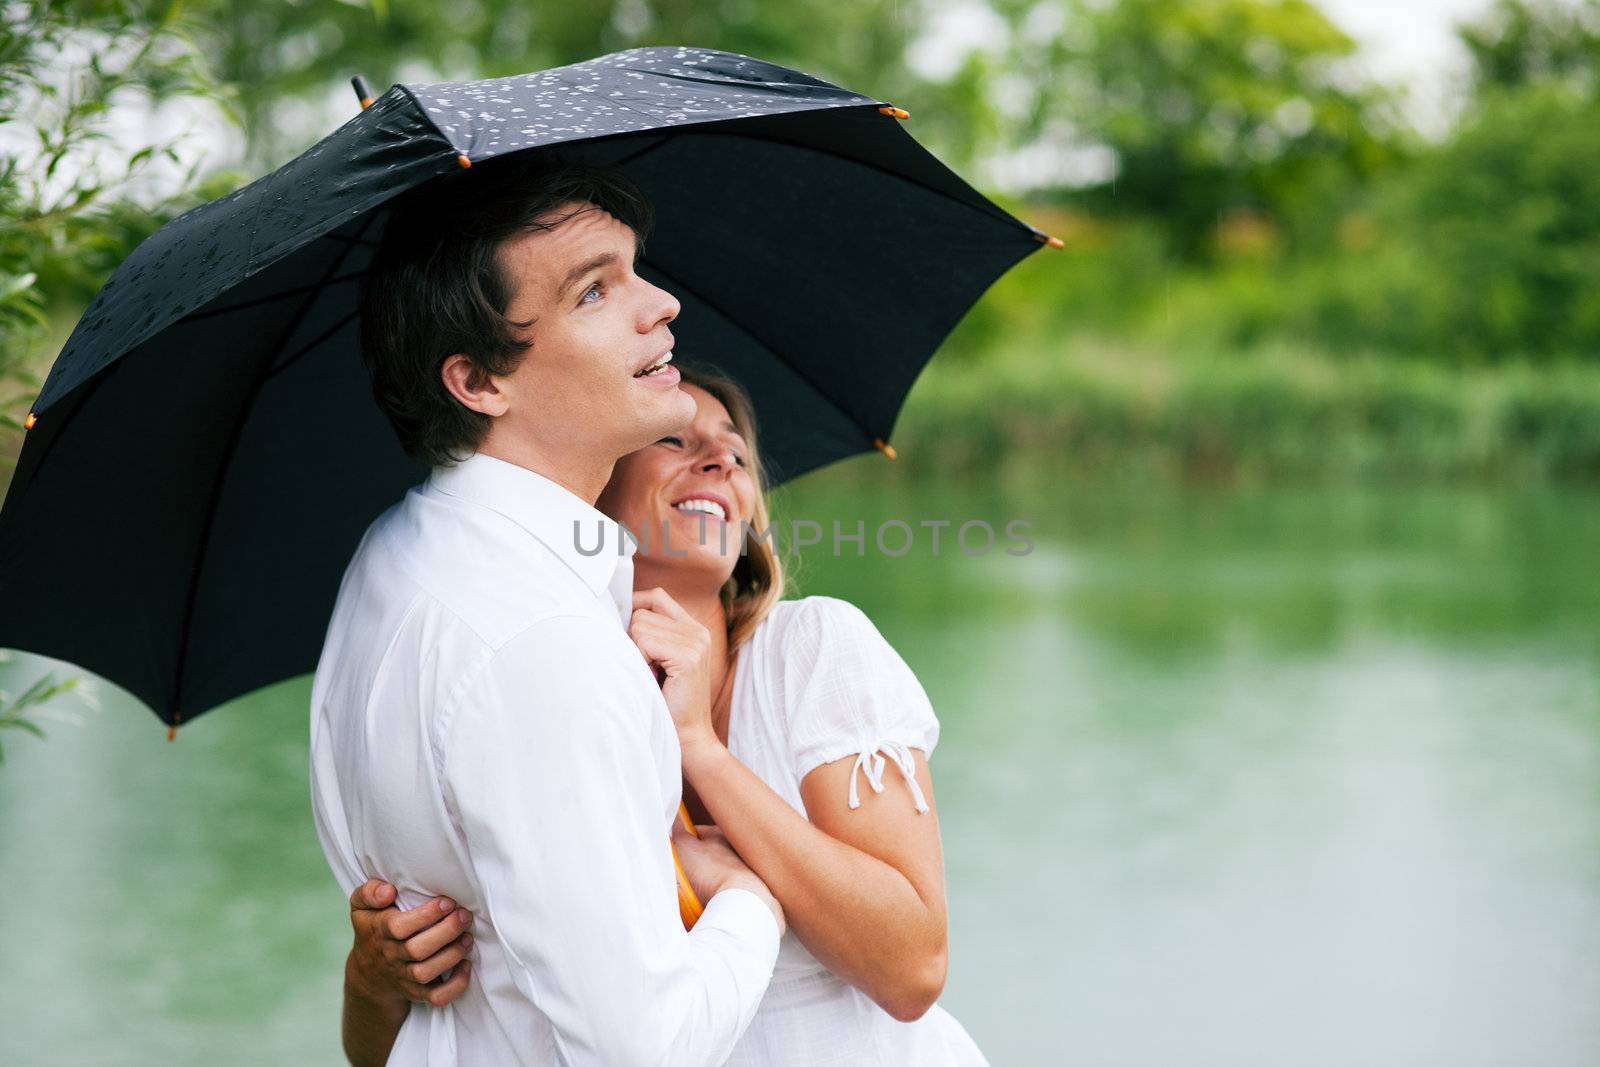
<point x="206" y="452"/>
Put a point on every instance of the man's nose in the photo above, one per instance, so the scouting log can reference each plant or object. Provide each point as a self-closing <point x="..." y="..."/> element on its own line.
<point x="661" y="307"/>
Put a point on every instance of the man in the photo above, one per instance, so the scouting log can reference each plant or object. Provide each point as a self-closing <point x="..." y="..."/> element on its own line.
<point x="482" y="726"/>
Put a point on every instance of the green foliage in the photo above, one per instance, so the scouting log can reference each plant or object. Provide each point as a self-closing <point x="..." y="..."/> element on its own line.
<point x="1506" y="216"/>
<point x="1519" y="43"/>
<point x="22" y="712"/>
<point x="1276" y="412"/>
<point x="1483" y="250"/>
<point x="66" y="71"/>
<point x="1215" y="106"/>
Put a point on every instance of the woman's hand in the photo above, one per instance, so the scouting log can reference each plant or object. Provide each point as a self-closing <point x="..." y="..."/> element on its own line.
<point x="679" y="648"/>
<point x="399" y="956"/>
<point x="711" y="865"/>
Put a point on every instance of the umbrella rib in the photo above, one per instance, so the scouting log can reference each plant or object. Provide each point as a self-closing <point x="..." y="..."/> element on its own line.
<point x="216" y="490"/>
<point x="780" y="357"/>
<point x="300" y="352"/>
<point x="83" y="393"/>
<point x="656" y="143"/>
<point x="347" y="240"/>
<point x="245" y="305"/>
<point x="997" y="214"/>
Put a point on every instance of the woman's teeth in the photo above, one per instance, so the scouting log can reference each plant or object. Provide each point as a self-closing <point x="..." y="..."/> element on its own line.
<point x="710" y="507"/>
<point x="655" y="368"/>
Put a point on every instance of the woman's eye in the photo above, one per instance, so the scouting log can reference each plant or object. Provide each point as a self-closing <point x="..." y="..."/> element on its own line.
<point x="738" y="459"/>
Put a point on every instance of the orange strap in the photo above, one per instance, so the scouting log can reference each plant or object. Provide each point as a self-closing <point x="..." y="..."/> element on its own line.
<point x="689" y="906"/>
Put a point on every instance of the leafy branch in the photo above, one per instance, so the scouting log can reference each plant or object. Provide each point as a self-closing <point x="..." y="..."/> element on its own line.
<point x="23" y="712"/>
<point x="73" y="77"/>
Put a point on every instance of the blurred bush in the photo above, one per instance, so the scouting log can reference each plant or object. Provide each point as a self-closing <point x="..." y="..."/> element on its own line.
<point x="1483" y="250"/>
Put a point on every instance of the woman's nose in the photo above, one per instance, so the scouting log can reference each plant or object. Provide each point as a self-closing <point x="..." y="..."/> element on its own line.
<point x="717" y="457"/>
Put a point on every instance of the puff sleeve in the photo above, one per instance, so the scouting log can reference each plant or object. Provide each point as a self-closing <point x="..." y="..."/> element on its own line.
<point x="848" y="692"/>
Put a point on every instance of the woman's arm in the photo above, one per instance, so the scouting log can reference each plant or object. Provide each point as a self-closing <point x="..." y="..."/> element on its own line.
<point x="397" y="958"/>
<point x="863" y="889"/>
<point x="866" y="884"/>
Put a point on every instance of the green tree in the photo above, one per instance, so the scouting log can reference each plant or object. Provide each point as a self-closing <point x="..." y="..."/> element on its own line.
<point x="1501" y="223"/>
<point x="71" y="74"/>
<point x="1505" y="216"/>
<point x="1210" y="107"/>
<point x="1519" y="43"/>
<point x="1483" y="249"/>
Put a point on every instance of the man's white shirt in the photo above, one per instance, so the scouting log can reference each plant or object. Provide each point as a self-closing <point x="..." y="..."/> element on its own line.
<point x="483" y="728"/>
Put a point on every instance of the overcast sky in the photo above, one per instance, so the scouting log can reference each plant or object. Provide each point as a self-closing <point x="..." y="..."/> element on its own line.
<point x="1409" y="41"/>
<point x="1404" y="34"/>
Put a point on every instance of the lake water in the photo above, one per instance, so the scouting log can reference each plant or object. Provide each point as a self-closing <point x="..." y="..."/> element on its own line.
<point x="1227" y="776"/>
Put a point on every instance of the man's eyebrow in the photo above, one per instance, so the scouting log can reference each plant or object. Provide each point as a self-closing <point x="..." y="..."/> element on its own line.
<point x="592" y="263"/>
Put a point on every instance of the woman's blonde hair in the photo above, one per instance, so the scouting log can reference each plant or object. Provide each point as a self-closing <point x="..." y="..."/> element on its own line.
<point x="756" y="584"/>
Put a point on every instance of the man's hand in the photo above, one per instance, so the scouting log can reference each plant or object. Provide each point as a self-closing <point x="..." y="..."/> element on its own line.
<point x="399" y="956"/>
<point x="711" y="865"/>
<point x="678" y="647"/>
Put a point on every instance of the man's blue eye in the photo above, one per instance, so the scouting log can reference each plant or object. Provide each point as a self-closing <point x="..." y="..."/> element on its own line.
<point x="595" y="288"/>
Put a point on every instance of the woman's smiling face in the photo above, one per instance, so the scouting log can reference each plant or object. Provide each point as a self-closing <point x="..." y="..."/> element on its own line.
<point x="694" y="485"/>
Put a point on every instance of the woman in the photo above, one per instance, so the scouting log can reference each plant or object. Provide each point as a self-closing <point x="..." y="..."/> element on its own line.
<point x="809" y="697"/>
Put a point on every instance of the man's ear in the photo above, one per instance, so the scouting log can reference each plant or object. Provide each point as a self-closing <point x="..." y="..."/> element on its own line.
<point x="471" y="387"/>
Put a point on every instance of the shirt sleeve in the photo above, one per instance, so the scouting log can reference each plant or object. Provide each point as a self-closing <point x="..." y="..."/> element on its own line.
<point x="551" y="771"/>
<point x="850" y="693"/>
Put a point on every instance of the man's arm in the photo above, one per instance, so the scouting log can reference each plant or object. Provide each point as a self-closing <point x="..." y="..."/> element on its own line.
<point x="550" y="769"/>
<point x="368" y="1025"/>
<point x="394" y="960"/>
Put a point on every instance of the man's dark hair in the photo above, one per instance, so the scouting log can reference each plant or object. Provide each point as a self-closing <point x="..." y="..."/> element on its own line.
<point x="435" y="288"/>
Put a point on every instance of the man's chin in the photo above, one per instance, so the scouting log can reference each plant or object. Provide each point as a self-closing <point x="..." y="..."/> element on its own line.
<point x="672" y="410"/>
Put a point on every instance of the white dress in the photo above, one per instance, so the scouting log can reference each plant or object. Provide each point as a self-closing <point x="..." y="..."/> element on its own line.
<point x="815" y="683"/>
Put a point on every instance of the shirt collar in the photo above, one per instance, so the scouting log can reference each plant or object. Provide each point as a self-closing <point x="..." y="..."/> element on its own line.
<point x="580" y="535"/>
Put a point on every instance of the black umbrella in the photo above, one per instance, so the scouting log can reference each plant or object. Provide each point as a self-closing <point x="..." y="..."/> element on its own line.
<point x="205" y="453"/>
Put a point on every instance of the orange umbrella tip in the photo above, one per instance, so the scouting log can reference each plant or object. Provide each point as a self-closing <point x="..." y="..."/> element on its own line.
<point x="27" y="423"/>
<point x="895" y="112"/>
<point x="885" y="447"/>
<point x="463" y="161"/>
<point x="172" y="734"/>
<point x="1050" y="242"/>
<point x="363" y="91"/>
